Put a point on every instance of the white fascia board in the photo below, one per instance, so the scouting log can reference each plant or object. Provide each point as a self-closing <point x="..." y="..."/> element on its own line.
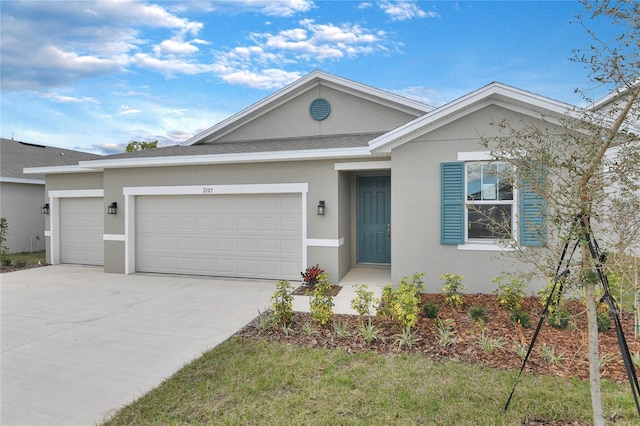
<point x="314" y="78"/>
<point x="25" y="181"/>
<point x="363" y="165"/>
<point x="495" y="93"/>
<point x="51" y="170"/>
<point x="257" y="157"/>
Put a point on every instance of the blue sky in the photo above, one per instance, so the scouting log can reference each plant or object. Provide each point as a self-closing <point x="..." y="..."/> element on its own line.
<point x="95" y="75"/>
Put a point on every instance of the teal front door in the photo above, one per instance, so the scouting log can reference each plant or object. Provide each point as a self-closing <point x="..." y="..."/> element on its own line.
<point x="374" y="219"/>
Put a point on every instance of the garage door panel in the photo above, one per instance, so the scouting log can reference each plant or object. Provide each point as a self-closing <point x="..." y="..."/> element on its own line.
<point x="81" y="231"/>
<point x="229" y="235"/>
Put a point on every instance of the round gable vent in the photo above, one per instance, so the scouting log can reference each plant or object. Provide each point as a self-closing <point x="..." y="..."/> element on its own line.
<point x="319" y="109"/>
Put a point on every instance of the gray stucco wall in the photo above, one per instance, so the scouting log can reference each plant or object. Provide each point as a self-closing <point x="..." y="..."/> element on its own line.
<point x="20" y="205"/>
<point x="415" y="187"/>
<point x="349" y="114"/>
<point x="323" y="180"/>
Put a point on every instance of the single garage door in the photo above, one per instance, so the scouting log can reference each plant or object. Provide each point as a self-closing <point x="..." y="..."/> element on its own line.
<point x="81" y="231"/>
<point x="253" y="236"/>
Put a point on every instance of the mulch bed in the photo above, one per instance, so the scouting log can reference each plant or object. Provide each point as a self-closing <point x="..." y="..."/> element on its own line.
<point x="306" y="290"/>
<point x="570" y="345"/>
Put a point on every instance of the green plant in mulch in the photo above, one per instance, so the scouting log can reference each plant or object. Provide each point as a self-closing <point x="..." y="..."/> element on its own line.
<point x="282" y="302"/>
<point x="430" y="309"/>
<point x="452" y="289"/>
<point x="321" y="302"/>
<point x="511" y="291"/>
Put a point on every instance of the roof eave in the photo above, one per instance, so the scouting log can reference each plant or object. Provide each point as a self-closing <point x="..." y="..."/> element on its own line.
<point x="191" y="160"/>
<point x="496" y="93"/>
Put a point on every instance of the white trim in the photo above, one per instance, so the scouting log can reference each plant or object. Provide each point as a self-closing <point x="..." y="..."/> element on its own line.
<point x="77" y="193"/>
<point x="483" y="247"/>
<point x="267" y="188"/>
<point x="56" y="169"/>
<point x="131" y="193"/>
<point x="47" y="233"/>
<point x="21" y="180"/>
<point x="113" y="237"/>
<point x="325" y="242"/>
<point x="363" y="165"/>
<point x="238" y="158"/>
<point x="475" y="156"/>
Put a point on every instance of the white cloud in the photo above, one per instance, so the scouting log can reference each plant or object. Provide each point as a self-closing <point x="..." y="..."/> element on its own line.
<point x="261" y="64"/>
<point x="263" y="79"/>
<point x="69" y="41"/>
<point x="430" y="96"/>
<point x="280" y="8"/>
<point x="403" y="10"/>
<point x="56" y="97"/>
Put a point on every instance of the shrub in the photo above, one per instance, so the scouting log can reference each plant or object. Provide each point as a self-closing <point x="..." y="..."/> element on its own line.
<point x="4" y="250"/>
<point x="21" y="263"/>
<point x="452" y="288"/>
<point x="478" y="314"/>
<point x="556" y="297"/>
<point x="282" y="302"/>
<point x="403" y="303"/>
<point x="321" y="301"/>
<point x="604" y="321"/>
<point x="311" y="275"/>
<point x="510" y="291"/>
<point x="520" y="317"/>
<point x="559" y="318"/>
<point x="364" y="301"/>
<point x="430" y="310"/>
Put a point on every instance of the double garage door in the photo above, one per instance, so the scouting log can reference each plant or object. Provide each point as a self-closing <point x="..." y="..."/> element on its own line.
<point x="255" y="236"/>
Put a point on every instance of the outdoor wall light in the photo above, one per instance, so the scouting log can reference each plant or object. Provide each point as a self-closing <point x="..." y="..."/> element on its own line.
<point x="321" y="208"/>
<point x="44" y="209"/>
<point x="113" y="208"/>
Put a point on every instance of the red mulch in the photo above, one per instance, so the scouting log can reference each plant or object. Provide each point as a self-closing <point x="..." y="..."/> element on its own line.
<point x="571" y="343"/>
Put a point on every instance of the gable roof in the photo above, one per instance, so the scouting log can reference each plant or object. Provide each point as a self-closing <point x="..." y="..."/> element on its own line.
<point x="517" y="100"/>
<point x="301" y="85"/>
<point x="16" y="155"/>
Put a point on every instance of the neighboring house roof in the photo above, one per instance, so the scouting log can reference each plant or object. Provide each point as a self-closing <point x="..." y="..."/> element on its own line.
<point x="517" y="100"/>
<point x="303" y="84"/>
<point x="16" y="155"/>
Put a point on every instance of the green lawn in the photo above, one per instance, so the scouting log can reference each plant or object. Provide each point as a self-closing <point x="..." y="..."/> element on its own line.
<point x="28" y="258"/>
<point x="250" y="382"/>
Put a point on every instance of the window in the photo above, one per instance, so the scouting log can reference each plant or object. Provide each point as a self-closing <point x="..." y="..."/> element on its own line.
<point x="489" y="201"/>
<point x="477" y="194"/>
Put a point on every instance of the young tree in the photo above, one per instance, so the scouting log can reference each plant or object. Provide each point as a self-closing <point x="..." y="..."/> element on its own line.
<point x="586" y="164"/>
<point x="140" y="145"/>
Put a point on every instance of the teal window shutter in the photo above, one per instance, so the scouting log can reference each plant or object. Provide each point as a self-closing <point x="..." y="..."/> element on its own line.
<point x="452" y="203"/>
<point x="532" y="209"/>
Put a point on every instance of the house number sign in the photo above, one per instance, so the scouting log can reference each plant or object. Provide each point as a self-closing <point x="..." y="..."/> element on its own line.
<point x="207" y="190"/>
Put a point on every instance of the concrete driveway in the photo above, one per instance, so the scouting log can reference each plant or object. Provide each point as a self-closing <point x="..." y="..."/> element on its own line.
<point x="77" y="343"/>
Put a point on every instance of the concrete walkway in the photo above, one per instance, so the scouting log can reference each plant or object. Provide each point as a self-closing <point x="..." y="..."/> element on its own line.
<point x="77" y="343"/>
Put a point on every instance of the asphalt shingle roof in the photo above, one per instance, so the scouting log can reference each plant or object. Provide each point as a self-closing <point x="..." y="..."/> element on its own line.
<point x="15" y="156"/>
<point x="254" y="146"/>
